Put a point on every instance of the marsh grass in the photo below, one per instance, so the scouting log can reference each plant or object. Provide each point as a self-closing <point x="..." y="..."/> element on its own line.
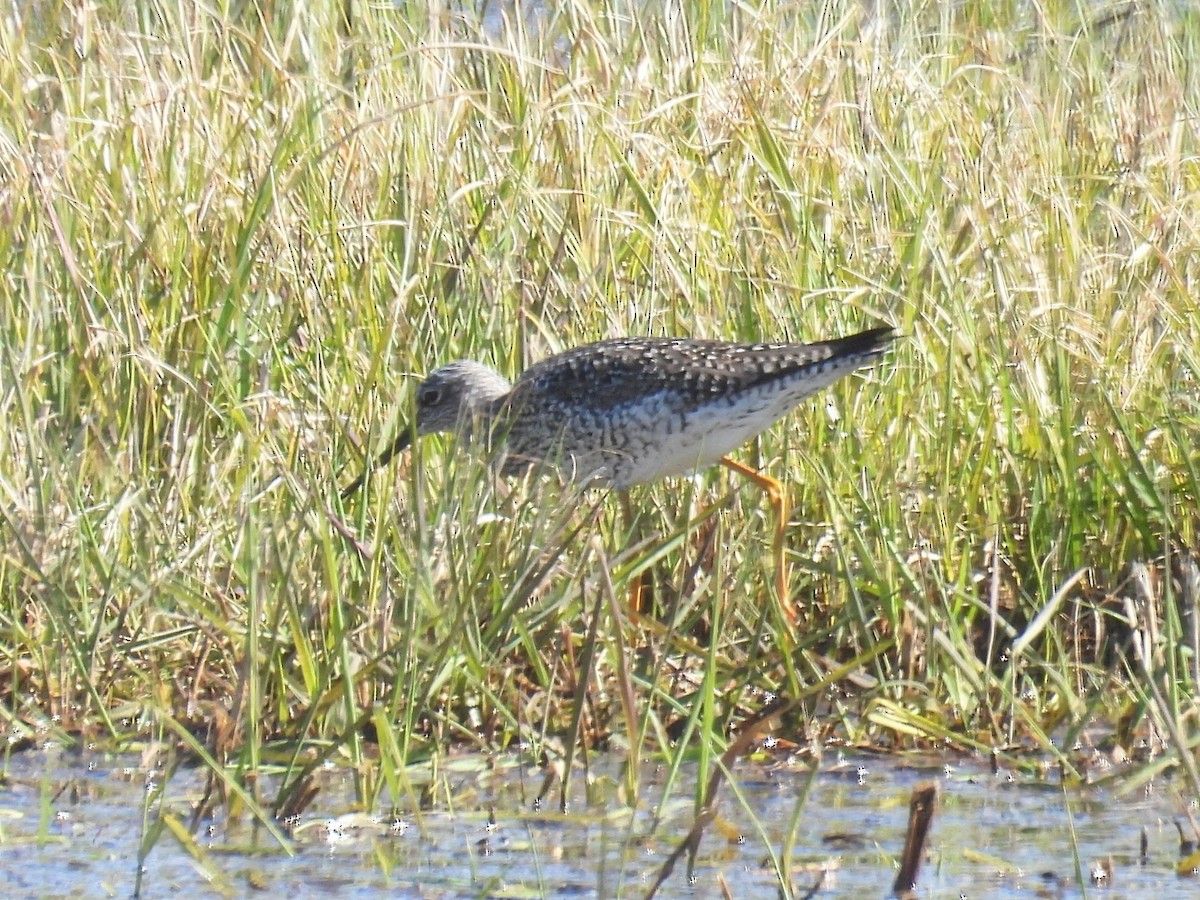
<point x="230" y="236"/>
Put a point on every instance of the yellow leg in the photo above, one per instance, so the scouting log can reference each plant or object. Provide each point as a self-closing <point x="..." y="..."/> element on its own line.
<point x="777" y="497"/>
<point x="638" y="594"/>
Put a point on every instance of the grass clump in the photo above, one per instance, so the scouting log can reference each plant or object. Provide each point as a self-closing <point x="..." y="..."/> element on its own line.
<point x="230" y="237"/>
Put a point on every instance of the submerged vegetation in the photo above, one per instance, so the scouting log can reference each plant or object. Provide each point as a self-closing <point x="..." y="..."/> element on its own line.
<point x="230" y="236"/>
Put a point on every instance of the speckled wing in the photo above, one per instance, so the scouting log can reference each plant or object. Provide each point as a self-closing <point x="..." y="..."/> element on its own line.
<point x="635" y="410"/>
<point x="596" y="379"/>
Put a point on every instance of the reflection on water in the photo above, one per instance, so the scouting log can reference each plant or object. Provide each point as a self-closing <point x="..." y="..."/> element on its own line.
<point x="73" y="825"/>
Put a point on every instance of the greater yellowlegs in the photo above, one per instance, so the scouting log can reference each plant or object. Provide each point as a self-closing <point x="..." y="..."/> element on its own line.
<point x="634" y="410"/>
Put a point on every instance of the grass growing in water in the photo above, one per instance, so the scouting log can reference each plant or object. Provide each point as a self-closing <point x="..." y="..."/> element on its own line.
<point x="228" y="240"/>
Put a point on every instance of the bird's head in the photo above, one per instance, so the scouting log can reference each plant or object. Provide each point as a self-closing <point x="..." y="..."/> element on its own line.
<point x="457" y="395"/>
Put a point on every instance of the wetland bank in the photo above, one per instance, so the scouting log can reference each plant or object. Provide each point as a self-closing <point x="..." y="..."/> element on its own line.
<point x="232" y="236"/>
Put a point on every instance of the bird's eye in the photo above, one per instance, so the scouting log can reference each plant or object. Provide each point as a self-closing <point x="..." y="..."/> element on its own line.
<point x="430" y="397"/>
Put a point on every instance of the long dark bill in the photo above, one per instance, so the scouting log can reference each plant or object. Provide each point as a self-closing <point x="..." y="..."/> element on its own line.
<point x="399" y="445"/>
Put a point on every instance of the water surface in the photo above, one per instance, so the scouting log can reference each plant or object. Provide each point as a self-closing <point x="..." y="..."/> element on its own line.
<point x="72" y="824"/>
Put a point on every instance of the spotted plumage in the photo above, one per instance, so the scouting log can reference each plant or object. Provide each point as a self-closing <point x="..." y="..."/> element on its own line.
<point x="632" y="410"/>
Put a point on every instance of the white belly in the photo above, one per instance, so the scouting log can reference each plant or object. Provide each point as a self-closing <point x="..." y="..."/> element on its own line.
<point x="662" y="444"/>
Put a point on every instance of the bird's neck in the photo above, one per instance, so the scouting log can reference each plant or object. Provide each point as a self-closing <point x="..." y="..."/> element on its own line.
<point x="483" y="419"/>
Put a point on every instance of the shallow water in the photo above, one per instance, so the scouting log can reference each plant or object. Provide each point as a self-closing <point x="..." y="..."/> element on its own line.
<point x="72" y="825"/>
